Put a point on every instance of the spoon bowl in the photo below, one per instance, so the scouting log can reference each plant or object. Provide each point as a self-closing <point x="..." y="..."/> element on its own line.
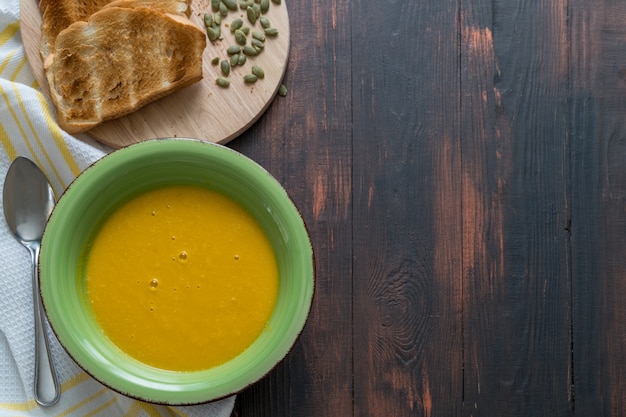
<point x="28" y="200"/>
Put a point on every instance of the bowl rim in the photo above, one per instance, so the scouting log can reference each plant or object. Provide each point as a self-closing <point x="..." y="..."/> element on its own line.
<point x="176" y="397"/>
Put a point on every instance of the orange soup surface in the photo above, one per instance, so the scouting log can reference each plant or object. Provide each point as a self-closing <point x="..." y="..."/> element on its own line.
<point x="182" y="278"/>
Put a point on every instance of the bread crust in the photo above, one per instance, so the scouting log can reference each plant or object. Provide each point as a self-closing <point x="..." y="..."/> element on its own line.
<point x="56" y="15"/>
<point x="180" y="7"/>
<point x="119" y="60"/>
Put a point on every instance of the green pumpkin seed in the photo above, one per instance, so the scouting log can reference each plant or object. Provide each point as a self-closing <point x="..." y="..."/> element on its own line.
<point x="250" y="51"/>
<point x="258" y="35"/>
<point x="271" y="31"/>
<point x="215" y="60"/>
<point x="223" y="82"/>
<point x="258" y="71"/>
<point x="231" y="4"/>
<point x="217" y="19"/>
<point x="265" y="6"/>
<point x="213" y="33"/>
<point x="250" y="78"/>
<point x="243" y="5"/>
<point x="245" y="29"/>
<point x="265" y="22"/>
<point x="223" y="9"/>
<point x="276" y="1"/>
<point x="232" y="50"/>
<point x="225" y="67"/>
<point x="251" y="14"/>
<point x="240" y="37"/>
<point x="208" y="19"/>
<point x="234" y="60"/>
<point x="242" y="59"/>
<point x="257" y="10"/>
<point x="236" y="24"/>
<point x="257" y="44"/>
<point x="215" y="5"/>
<point x="282" y="90"/>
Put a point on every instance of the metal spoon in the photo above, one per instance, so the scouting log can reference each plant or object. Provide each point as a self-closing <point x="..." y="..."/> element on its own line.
<point x="28" y="200"/>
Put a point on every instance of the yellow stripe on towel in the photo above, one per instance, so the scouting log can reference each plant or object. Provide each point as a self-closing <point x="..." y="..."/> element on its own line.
<point x="83" y="402"/>
<point x="178" y="412"/>
<point x="6" y="61"/>
<point x="9" y="32"/>
<point x="134" y="410"/>
<point x="3" y="93"/>
<point x="42" y="148"/>
<point x="76" y="380"/>
<point x="102" y="407"/>
<point x="150" y="409"/>
<point x="66" y="386"/>
<point x="6" y="144"/>
<point x="25" y="406"/>
<point x="19" y="68"/>
<point x="57" y="135"/>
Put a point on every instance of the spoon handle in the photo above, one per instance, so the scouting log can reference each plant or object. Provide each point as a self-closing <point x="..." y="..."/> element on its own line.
<point x="47" y="389"/>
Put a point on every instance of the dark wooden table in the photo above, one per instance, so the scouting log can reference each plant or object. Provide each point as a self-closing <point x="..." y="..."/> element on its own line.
<point x="461" y="166"/>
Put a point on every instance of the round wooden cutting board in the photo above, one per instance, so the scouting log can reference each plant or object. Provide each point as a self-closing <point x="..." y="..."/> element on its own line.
<point x="203" y="110"/>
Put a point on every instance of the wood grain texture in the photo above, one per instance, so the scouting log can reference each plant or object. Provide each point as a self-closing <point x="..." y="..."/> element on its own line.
<point x="305" y="141"/>
<point x="477" y="268"/>
<point x="515" y="173"/>
<point x="598" y="206"/>
<point x="407" y="214"/>
<point x="202" y="110"/>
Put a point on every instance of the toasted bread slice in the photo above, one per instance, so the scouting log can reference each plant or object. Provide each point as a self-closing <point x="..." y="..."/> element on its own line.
<point x="118" y="61"/>
<point x="59" y="14"/>
<point x="56" y="15"/>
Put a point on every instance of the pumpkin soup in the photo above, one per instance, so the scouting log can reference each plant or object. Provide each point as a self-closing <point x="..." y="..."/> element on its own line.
<point x="181" y="278"/>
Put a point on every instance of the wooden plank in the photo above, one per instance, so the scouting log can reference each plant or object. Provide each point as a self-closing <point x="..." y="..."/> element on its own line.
<point x="407" y="241"/>
<point x="598" y="204"/>
<point x="304" y="140"/>
<point x="515" y="207"/>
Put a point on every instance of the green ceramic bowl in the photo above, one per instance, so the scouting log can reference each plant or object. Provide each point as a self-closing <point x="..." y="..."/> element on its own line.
<point x="122" y="175"/>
